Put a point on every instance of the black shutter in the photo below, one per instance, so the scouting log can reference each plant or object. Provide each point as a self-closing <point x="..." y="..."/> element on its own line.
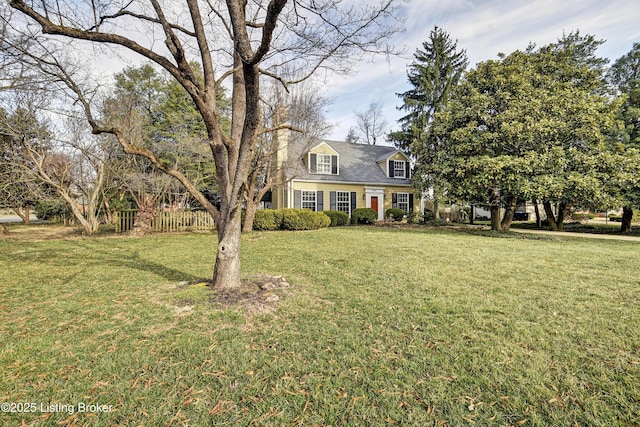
<point x="297" y="199"/>
<point x="334" y="165"/>
<point x="407" y="170"/>
<point x="313" y="163"/>
<point x="320" y="201"/>
<point x="333" y="198"/>
<point x="394" y="200"/>
<point x="391" y="168"/>
<point x="410" y="203"/>
<point x="353" y="201"/>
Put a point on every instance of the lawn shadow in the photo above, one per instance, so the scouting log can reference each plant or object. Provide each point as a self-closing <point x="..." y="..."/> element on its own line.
<point x="94" y="256"/>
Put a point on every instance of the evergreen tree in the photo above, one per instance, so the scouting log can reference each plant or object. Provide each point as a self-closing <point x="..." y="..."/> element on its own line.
<point x="434" y="74"/>
<point x="532" y="124"/>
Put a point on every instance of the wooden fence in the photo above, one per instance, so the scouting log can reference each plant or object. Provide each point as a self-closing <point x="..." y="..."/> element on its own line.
<point x="167" y="221"/>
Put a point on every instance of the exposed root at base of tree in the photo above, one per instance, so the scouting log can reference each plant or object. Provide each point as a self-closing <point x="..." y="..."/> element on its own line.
<point x="258" y="295"/>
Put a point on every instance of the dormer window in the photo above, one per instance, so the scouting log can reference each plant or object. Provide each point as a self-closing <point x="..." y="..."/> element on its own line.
<point x="399" y="169"/>
<point x="326" y="164"/>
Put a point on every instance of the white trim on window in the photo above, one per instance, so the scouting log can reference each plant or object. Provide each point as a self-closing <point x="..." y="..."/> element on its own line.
<point x="403" y="201"/>
<point x="343" y="202"/>
<point x="309" y="200"/>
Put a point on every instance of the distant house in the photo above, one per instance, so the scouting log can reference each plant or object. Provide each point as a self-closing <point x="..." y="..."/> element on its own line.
<point x="334" y="175"/>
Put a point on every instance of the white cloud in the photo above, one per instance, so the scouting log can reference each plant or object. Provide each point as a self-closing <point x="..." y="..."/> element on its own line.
<point x="484" y="29"/>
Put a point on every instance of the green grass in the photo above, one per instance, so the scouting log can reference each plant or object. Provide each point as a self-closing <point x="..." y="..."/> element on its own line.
<point x="380" y="326"/>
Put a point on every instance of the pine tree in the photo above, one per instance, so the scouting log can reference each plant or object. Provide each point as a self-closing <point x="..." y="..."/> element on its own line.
<point x="434" y="75"/>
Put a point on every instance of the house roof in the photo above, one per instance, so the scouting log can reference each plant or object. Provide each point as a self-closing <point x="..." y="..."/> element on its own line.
<point x="358" y="163"/>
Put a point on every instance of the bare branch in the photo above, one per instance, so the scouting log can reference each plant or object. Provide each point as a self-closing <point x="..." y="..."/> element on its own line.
<point x="124" y="12"/>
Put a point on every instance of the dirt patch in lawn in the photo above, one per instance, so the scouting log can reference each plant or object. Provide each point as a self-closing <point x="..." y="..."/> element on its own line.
<point x="258" y="295"/>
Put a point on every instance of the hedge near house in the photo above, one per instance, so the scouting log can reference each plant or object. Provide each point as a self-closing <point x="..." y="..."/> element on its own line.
<point x="337" y="218"/>
<point x="289" y="219"/>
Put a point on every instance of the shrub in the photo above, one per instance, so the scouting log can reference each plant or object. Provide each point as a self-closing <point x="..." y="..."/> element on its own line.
<point x="52" y="210"/>
<point x="267" y="219"/>
<point x="337" y="218"/>
<point x="414" y="218"/>
<point x="289" y="219"/>
<point x="428" y="215"/>
<point x="363" y="216"/>
<point x="303" y="219"/>
<point x="582" y="216"/>
<point x="395" y="213"/>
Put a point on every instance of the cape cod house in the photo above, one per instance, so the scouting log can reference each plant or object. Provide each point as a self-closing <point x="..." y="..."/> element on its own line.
<point x="334" y="175"/>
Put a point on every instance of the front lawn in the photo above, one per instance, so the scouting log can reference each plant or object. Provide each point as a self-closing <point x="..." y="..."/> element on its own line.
<point x="379" y="326"/>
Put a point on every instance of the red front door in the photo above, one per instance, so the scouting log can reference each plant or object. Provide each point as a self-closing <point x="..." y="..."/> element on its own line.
<point x="374" y="204"/>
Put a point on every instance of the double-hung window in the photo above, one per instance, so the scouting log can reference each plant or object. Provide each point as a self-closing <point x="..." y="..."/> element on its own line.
<point x="403" y="201"/>
<point x="324" y="163"/>
<point x="309" y="200"/>
<point x="399" y="170"/>
<point x="343" y="201"/>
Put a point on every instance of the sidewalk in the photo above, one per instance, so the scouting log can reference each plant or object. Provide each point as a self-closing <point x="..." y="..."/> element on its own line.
<point x="579" y="235"/>
<point x="12" y="219"/>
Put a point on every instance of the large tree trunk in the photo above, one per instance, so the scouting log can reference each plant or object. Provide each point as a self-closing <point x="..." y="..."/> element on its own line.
<point x="249" y="214"/>
<point x="494" y="209"/>
<point x="24" y="216"/>
<point x="146" y="212"/>
<point x="548" y="209"/>
<point x="495" y="218"/>
<point x="556" y="223"/>
<point x="90" y="223"/>
<point x="436" y="209"/>
<point x="226" y="274"/>
<point x="537" y="210"/>
<point x="627" y="216"/>
<point x="507" y="219"/>
<point x="4" y="228"/>
<point x="562" y="213"/>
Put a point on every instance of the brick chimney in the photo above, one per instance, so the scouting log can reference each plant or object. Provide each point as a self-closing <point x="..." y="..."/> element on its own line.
<point x="281" y="136"/>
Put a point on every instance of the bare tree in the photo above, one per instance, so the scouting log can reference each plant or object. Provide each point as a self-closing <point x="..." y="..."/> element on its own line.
<point x="71" y="163"/>
<point x="232" y="39"/>
<point x="370" y="125"/>
<point x="18" y="190"/>
<point x="296" y="114"/>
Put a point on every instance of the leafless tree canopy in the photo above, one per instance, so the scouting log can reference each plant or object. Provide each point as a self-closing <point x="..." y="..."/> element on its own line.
<point x="234" y="42"/>
<point x="371" y="125"/>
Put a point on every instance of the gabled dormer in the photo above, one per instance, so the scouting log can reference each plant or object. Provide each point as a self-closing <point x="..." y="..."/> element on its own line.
<point x="323" y="160"/>
<point x="396" y="165"/>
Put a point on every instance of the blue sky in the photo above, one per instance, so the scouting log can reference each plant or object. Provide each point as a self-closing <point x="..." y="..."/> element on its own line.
<point x="484" y="28"/>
